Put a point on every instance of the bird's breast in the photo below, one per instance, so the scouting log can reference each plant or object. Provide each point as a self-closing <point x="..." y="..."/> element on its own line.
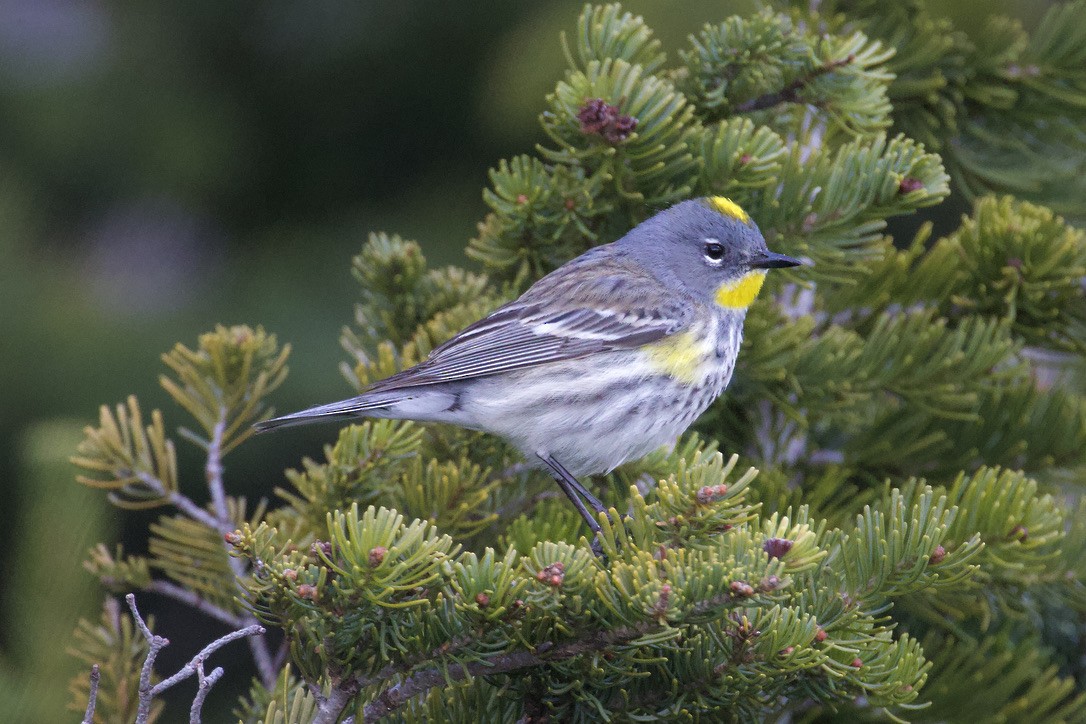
<point x="706" y="352"/>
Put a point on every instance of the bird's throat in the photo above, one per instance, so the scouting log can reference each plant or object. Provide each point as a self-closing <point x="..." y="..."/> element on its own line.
<point x="739" y="294"/>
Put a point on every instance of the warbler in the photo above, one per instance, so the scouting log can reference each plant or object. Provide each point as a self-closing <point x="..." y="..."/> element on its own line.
<point x="607" y="358"/>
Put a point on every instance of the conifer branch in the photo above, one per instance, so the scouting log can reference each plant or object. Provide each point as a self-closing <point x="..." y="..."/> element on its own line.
<point x="420" y="682"/>
<point x="197" y="602"/>
<point x="214" y="472"/>
<point x="790" y="93"/>
<point x="183" y="503"/>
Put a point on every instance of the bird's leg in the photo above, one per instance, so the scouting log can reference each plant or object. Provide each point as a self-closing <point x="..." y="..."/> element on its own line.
<point x="574" y="491"/>
<point x="576" y="485"/>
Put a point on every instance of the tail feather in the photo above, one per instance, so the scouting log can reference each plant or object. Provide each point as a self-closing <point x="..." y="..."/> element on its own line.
<point x="333" y="411"/>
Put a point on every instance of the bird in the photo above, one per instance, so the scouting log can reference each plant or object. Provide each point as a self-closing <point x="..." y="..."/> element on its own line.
<point x="607" y="358"/>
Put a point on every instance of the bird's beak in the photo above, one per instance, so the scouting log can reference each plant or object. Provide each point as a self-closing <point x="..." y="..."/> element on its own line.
<point x="769" y="260"/>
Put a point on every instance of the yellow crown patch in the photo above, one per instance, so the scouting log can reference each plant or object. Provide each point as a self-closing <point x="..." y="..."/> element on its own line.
<point x="729" y="208"/>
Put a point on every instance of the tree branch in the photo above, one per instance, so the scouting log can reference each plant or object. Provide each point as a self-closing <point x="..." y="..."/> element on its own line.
<point x="190" y="668"/>
<point x="157" y="643"/>
<point x="147" y="693"/>
<point x="399" y="694"/>
<point x="331" y="706"/>
<point x="183" y="503"/>
<point x="92" y="696"/>
<point x="206" y="682"/>
<point x="194" y="600"/>
<point x="790" y="93"/>
<point x="213" y="472"/>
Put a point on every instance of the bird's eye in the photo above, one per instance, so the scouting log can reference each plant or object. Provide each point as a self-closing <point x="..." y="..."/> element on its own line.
<point x="714" y="251"/>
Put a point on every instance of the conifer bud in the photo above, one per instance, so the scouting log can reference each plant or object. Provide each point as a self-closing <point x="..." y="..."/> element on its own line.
<point x="742" y="588"/>
<point x="777" y="547"/>
<point x="553" y="574"/>
<point x="909" y="184"/>
<point x="600" y="118"/>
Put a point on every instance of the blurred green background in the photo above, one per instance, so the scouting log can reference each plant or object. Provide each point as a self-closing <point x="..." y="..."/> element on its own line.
<point x="166" y="166"/>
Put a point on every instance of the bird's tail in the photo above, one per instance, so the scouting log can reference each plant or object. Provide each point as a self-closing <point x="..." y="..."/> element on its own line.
<point x="363" y="406"/>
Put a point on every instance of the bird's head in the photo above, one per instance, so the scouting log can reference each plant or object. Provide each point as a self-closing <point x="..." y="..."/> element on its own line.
<point x="708" y="247"/>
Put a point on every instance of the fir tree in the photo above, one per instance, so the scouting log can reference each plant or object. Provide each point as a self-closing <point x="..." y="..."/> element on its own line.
<point x="879" y="519"/>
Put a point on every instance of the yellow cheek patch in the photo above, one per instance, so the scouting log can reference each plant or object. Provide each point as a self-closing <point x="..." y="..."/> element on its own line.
<point x="739" y="294"/>
<point x="679" y="356"/>
<point x="729" y="208"/>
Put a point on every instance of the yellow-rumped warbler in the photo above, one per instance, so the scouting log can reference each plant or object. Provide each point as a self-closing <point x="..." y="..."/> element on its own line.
<point x="605" y="359"/>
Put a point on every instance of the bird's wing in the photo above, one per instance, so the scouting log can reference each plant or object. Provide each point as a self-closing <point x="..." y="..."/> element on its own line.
<point x="556" y="321"/>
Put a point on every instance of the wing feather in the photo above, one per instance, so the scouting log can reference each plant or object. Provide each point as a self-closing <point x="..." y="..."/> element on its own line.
<point x="547" y="325"/>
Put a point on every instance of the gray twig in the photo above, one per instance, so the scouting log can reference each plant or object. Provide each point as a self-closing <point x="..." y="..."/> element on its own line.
<point x="157" y="643"/>
<point x="214" y="471"/>
<point x="206" y="682"/>
<point x="184" y="503"/>
<point x="190" y="668"/>
<point x="330" y="707"/>
<point x="92" y="697"/>
<point x="147" y="693"/>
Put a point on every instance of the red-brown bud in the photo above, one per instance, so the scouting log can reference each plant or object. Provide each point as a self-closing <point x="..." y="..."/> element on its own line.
<point x="598" y="117"/>
<point x="777" y="547"/>
<point x="741" y="588"/>
<point x="909" y="184"/>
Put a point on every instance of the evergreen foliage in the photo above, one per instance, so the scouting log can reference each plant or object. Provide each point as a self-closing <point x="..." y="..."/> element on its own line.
<point x="880" y="519"/>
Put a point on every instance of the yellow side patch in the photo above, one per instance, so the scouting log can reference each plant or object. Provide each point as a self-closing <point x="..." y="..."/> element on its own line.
<point x="729" y="208"/>
<point x="741" y="293"/>
<point x="679" y="356"/>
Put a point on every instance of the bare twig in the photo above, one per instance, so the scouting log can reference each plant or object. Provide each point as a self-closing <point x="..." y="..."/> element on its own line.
<point x="92" y="697"/>
<point x="157" y="643"/>
<point x="190" y="668"/>
<point x="206" y="682"/>
<point x="184" y="503"/>
<point x="147" y="693"/>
